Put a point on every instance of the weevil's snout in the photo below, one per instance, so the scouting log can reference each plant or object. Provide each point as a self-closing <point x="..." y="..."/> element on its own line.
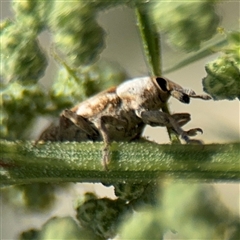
<point x="182" y="97"/>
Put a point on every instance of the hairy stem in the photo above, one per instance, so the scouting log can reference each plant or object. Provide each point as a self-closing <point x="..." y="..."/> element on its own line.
<point x="22" y="162"/>
<point x="152" y="51"/>
<point x="150" y="40"/>
<point x="191" y="58"/>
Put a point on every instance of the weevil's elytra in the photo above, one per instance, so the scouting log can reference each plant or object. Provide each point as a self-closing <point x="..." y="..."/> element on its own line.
<point x="121" y="113"/>
<point x="97" y="103"/>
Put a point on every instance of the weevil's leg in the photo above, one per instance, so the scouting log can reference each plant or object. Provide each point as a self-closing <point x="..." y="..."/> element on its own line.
<point x="181" y="118"/>
<point x="106" y="138"/>
<point x="194" y="131"/>
<point x="158" y="118"/>
<point x="64" y="126"/>
<point x="57" y="132"/>
<point x="68" y="131"/>
<point x="51" y="133"/>
<point x="79" y="121"/>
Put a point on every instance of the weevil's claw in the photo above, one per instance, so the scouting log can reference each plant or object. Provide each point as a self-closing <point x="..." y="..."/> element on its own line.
<point x="194" y="131"/>
<point x="191" y="141"/>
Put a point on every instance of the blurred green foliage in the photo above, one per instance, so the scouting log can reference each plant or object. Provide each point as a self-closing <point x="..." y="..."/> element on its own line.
<point x="187" y="210"/>
<point x="186" y="23"/>
<point x="32" y="15"/>
<point x="76" y="31"/>
<point x="30" y="197"/>
<point x="74" y="85"/>
<point x="223" y="74"/>
<point x="20" y="104"/>
<point x="22" y="58"/>
<point x="102" y="216"/>
<point x="23" y="99"/>
<point x="59" y="228"/>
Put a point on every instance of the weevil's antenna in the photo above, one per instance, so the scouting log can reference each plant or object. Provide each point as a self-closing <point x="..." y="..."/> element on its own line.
<point x="181" y="96"/>
<point x="192" y="94"/>
<point x="184" y="95"/>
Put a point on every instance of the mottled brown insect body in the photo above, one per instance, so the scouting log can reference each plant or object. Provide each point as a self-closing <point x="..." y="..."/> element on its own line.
<point x="121" y="113"/>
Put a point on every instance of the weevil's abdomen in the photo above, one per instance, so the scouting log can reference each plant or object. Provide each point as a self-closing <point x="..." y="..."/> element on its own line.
<point x="66" y="130"/>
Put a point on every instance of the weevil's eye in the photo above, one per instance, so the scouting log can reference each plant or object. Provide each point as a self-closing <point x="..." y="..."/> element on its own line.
<point x="162" y="83"/>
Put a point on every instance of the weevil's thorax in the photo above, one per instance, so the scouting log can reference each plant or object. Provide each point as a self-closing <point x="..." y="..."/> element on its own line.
<point x="142" y="93"/>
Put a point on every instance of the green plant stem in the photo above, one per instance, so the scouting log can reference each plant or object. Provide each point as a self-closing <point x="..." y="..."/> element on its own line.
<point x="22" y="162"/>
<point x="172" y="136"/>
<point x="191" y="58"/>
<point x="152" y="51"/>
<point x="150" y="40"/>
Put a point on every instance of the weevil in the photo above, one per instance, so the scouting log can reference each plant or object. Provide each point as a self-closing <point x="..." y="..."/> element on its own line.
<point x="121" y="113"/>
